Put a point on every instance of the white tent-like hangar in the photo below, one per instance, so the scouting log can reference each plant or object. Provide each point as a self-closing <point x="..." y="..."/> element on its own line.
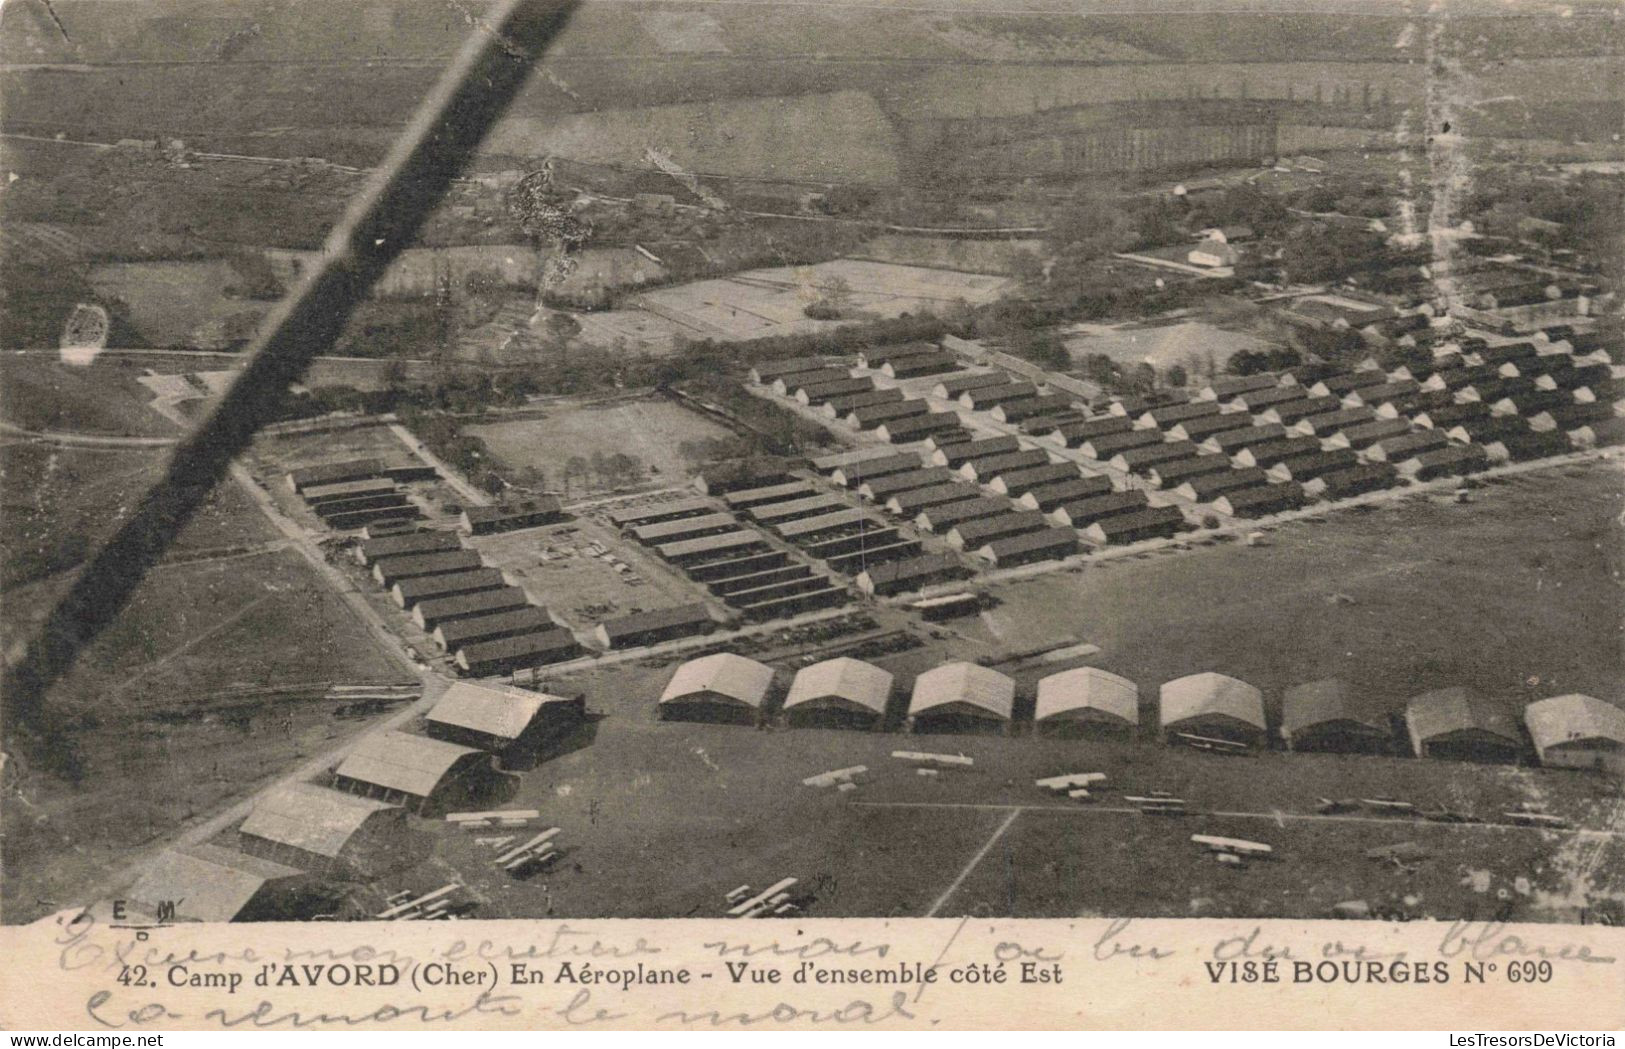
<point x="424" y="775"/>
<point x="328" y="831"/>
<point x="1578" y="731"/>
<point x="1087" y="701"/>
<point x="1459" y="724"/>
<point x="840" y="692"/>
<point x="1214" y="706"/>
<point x="512" y="723"/>
<point x="962" y="697"/>
<point x="1333" y="714"/>
<point x="719" y="687"/>
<point x="207" y="883"/>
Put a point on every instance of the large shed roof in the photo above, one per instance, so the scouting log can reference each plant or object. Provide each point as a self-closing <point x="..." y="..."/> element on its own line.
<point x="1088" y="689"/>
<point x="1456" y="709"/>
<point x="315" y="819"/>
<point x="724" y="675"/>
<point x="963" y="687"/>
<point x="1327" y="701"/>
<point x="841" y="682"/>
<point x="501" y="712"/>
<point x="411" y="764"/>
<point x="207" y="883"/>
<point x="1202" y="695"/>
<point x="1574" y="718"/>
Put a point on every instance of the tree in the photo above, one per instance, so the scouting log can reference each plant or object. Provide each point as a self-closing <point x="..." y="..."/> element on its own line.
<point x="1156" y="224"/>
<point x="575" y="467"/>
<point x="1089" y="226"/>
<point x="394" y="375"/>
<point x="1315" y="254"/>
<point x="562" y="327"/>
<point x="1028" y="268"/>
<point x="254" y="277"/>
<point x="1099" y="369"/>
<point x="1176" y="376"/>
<point x="492" y="482"/>
<point x="838" y="290"/>
<point x="1041" y="348"/>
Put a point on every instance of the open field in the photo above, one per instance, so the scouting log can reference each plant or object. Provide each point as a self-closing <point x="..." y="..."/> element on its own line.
<point x="176" y="303"/>
<point x="59" y="501"/>
<point x="1201" y="349"/>
<point x="652" y="430"/>
<point x="38" y="392"/>
<point x="773" y="301"/>
<point x="1516" y="594"/>
<point x="969" y="256"/>
<point x="558" y="568"/>
<point x="210" y="684"/>
<point x="1519" y="587"/>
<point x="684" y="812"/>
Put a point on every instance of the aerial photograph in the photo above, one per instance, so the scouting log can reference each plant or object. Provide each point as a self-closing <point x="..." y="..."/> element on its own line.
<point x="813" y="458"/>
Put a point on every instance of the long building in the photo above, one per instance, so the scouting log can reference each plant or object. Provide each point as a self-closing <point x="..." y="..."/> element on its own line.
<point x="526" y="513"/>
<point x="913" y="573"/>
<point x="968" y="535"/>
<point x="684" y="528"/>
<point x="391" y="570"/>
<point x="940" y="519"/>
<point x="422" y="774"/>
<point x="303" y="477"/>
<point x="457" y="633"/>
<point x="431" y="613"/>
<point x="408" y="592"/>
<point x="653" y="513"/>
<point x="372" y="550"/>
<point x="1048" y="543"/>
<point x="522" y="651"/>
<point x="653" y="627"/>
<point x="711" y="547"/>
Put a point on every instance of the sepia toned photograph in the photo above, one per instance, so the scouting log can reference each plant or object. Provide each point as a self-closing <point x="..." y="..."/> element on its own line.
<point x="779" y="461"/>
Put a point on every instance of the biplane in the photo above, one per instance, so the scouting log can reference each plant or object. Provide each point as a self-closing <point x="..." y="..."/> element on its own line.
<point x="927" y="758"/>
<point x="773" y="899"/>
<point x="1235" y="848"/>
<point x="1211" y="744"/>
<point x="1071" y="782"/>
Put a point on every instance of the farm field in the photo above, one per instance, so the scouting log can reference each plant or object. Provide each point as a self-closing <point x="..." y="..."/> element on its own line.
<point x="654" y="431"/>
<point x="176" y="303"/>
<point x="952" y="253"/>
<point x="772" y="301"/>
<point x="39" y="392"/>
<point x="1199" y="348"/>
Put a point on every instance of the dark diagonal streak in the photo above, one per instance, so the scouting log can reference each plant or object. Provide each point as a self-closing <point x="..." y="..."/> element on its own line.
<point x="470" y="96"/>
